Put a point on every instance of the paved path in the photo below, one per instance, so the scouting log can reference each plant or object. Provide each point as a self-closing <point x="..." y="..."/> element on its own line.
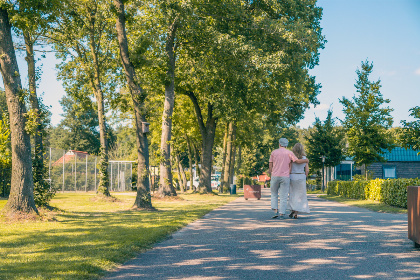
<point x="240" y="241"/>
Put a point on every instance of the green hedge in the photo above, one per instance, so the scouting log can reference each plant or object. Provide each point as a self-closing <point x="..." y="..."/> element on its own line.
<point x="391" y="191"/>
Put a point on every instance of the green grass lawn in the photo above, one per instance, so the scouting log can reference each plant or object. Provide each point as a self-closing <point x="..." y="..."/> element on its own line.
<point x="368" y="204"/>
<point x="87" y="238"/>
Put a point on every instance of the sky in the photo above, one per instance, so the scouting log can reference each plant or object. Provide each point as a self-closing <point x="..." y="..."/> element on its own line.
<point x="384" y="32"/>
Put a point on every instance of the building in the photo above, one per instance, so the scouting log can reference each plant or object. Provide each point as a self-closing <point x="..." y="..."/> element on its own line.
<point x="400" y="163"/>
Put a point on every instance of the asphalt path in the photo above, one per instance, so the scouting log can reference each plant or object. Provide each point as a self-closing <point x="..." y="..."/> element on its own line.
<point x="241" y="241"/>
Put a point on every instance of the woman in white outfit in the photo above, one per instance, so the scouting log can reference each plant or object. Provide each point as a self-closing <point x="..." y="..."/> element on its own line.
<point x="298" y="202"/>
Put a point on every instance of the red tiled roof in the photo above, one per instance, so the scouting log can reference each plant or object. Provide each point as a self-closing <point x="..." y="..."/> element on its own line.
<point x="69" y="157"/>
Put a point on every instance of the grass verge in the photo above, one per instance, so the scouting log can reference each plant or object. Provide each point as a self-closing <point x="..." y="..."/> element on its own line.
<point x="368" y="204"/>
<point x="87" y="238"/>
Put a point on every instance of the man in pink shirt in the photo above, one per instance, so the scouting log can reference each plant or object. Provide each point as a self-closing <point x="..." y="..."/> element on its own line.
<point x="279" y="169"/>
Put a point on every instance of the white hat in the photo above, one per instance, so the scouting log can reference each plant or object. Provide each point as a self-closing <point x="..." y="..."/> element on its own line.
<point x="283" y="142"/>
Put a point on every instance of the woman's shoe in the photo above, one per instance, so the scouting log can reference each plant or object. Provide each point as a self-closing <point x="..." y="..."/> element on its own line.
<point x="292" y="214"/>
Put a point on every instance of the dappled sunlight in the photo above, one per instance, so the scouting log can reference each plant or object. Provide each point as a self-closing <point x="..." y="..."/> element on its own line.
<point x="240" y="241"/>
<point x="201" y="261"/>
<point x="267" y="254"/>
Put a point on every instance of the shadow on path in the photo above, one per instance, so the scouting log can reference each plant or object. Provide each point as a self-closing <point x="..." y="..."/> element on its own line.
<point x="241" y="241"/>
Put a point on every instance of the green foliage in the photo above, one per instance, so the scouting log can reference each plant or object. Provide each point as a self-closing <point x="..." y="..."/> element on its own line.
<point x="410" y="134"/>
<point x="325" y="140"/>
<point x="5" y="148"/>
<point x="392" y="192"/>
<point x="366" y="123"/>
<point x="79" y="129"/>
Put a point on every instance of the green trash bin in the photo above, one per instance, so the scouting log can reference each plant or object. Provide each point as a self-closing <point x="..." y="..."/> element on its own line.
<point x="232" y="189"/>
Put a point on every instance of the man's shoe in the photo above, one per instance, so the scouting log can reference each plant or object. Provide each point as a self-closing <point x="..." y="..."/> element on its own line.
<point x="275" y="216"/>
<point x="281" y="216"/>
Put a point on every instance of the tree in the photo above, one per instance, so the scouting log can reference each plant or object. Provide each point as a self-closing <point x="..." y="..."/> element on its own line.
<point x="21" y="199"/>
<point x="78" y="130"/>
<point x="325" y="140"/>
<point x="410" y="134"/>
<point x="84" y="39"/>
<point x="31" y="20"/>
<point x="143" y="198"/>
<point x="244" y="56"/>
<point x="366" y="123"/>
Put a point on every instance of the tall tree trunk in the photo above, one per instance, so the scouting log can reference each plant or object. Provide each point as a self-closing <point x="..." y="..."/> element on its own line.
<point x="21" y="198"/>
<point x="143" y="198"/>
<point x="103" y="187"/>
<point x="239" y="161"/>
<point x="222" y="178"/>
<point x="208" y="132"/>
<point x="166" y="187"/>
<point x="229" y="150"/>
<point x="190" y="161"/>
<point x="197" y="159"/>
<point x="181" y="174"/>
<point x="38" y="160"/>
<point x="233" y="154"/>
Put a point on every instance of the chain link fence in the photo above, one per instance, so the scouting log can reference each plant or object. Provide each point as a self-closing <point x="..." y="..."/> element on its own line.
<point x="77" y="171"/>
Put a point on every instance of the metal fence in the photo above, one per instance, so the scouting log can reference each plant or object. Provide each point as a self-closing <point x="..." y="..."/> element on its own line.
<point x="77" y="171"/>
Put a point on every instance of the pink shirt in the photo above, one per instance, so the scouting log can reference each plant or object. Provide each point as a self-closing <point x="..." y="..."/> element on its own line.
<point x="281" y="158"/>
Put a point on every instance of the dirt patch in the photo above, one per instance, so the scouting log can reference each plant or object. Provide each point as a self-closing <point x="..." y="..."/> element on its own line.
<point x="103" y="198"/>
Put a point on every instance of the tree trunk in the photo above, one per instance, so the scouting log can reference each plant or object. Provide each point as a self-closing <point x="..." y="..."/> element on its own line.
<point x="197" y="159"/>
<point x="190" y="161"/>
<point x="166" y="187"/>
<point x="181" y="174"/>
<point x="208" y="132"/>
<point x="222" y="178"/>
<point x="233" y="154"/>
<point x="239" y="161"/>
<point x="38" y="160"/>
<point x="143" y="198"/>
<point x="103" y="187"/>
<point x="21" y="198"/>
<point x="228" y="163"/>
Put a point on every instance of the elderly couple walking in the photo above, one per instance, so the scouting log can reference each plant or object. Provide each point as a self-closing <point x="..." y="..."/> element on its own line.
<point x="288" y="180"/>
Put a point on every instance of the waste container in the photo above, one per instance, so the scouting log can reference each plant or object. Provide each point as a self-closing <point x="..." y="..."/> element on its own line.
<point x="232" y="189"/>
<point x="252" y="191"/>
<point x="413" y="205"/>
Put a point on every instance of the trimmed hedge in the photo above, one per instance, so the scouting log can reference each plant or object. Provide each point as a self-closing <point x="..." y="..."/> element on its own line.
<point x="390" y="191"/>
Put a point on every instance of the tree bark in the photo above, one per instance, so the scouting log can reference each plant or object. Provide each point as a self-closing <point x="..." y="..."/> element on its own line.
<point x="239" y="161"/>
<point x="190" y="161"/>
<point x="181" y="174"/>
<point x="21" y="199"/>
<point x="229" y="149"/>
<point x="166" y="187"/>
<point x="197" y="159"/>
<point x="222" y="177"/>
<point x="208" y="132"/>
<point x="143" y="197"/>
<point x="38" y="161"/>
<point x="233" y="155"/>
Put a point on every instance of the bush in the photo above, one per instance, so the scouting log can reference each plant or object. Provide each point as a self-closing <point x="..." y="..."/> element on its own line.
<point x="391" y="191"/>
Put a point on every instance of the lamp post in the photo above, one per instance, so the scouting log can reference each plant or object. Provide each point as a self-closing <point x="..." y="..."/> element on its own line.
<point x="323" y="162"/>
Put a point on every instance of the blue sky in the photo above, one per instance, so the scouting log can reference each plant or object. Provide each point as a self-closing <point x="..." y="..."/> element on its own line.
<point x="386" y="32"/>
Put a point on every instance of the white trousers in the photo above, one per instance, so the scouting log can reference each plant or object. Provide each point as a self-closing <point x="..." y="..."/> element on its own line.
<point x="279" y="188"/>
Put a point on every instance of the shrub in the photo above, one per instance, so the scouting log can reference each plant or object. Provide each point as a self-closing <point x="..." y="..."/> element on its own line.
<point x="391" y="191"/>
